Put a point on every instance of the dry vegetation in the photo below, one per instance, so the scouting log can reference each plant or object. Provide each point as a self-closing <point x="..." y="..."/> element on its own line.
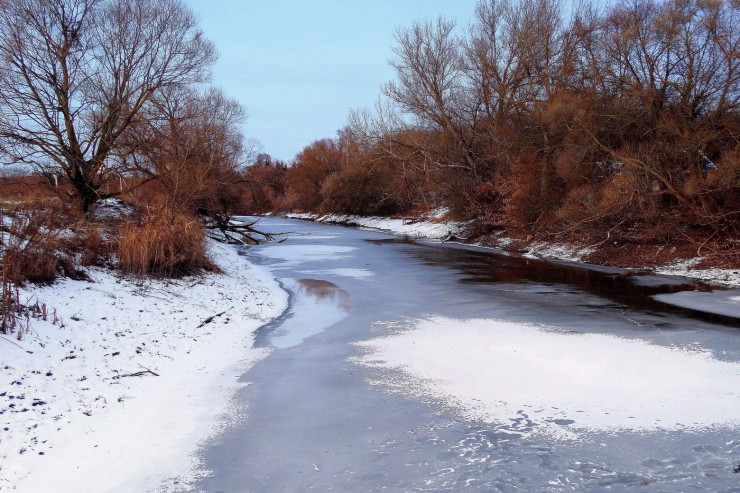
<point x="616" y="124"/>
<point x="168" y="244"/>
<point x="102" y="99"/>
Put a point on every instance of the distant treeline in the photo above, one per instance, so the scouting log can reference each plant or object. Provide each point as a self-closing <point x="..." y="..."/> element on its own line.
<point x="622" y="118"/>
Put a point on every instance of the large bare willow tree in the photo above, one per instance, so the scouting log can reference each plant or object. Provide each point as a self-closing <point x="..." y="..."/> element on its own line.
<point x="75" y="75"/>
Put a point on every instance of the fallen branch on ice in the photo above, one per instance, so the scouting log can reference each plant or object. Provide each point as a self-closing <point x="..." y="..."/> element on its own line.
<point x="223" y="228"/>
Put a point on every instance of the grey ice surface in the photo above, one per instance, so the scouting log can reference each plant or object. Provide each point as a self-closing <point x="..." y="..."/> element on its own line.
<point x="721" y="302"/>
<point x="659" y="280"/>
<point x="313" y="423"/>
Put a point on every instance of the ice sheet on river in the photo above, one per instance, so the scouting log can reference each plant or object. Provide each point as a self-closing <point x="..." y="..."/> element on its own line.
<point x="558" y="381"/>
<point x="342" y="272"/>
<point x="725" y="303"/>
<point x="295" y="254"/>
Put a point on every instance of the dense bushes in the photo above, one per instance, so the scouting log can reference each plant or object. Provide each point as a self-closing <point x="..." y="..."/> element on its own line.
<point x="41" y="243"/>
<point x="44" y="241"/>
<point x="624" y="119"/>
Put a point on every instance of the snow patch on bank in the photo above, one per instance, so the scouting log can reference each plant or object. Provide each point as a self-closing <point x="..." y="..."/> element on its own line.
<point x="535" y="379"/>
<point x="85" y="411"/>
<point x="687" y="268"/>
<point x="572" y="253"/>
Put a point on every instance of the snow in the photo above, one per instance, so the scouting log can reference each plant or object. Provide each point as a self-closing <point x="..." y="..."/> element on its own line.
<point x="726" y="302"/>
<point x="537" y="379"/>
<point x="687" y="268"/>
<point x="100" y="430"/>
<point x="559" y="251"/>
<point x="112" y="209"/>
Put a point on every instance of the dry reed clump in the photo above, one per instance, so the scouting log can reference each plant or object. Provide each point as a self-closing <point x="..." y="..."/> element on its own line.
<point x="165" y="243"/>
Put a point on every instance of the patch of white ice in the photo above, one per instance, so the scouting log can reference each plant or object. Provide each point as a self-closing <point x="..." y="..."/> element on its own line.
<point x="718" y="302"/>
<point x="352" y="273"/>
<point x="305" y="253"/>
<point x="497" y="371"/>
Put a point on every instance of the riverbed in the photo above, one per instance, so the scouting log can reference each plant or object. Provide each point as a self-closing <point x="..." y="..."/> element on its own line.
<point x="579" y="378"/>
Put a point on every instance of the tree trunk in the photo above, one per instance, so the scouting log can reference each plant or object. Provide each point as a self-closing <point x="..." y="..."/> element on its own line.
<point x="545" y="168"/>
<point x="85" y="195"/>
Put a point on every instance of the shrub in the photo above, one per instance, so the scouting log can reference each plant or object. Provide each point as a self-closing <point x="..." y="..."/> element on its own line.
<point x="165" y="243"/>
<point x="358" y="190"/>
<point x="32" y="246"/>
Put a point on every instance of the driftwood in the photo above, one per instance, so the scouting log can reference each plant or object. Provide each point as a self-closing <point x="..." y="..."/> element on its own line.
<point x="453" y="237"/>
<point x="145" y="371"/>
<point x="211" y="318"/>
<point x="224" y="228"/>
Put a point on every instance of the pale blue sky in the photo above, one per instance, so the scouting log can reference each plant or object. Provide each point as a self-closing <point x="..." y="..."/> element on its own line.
<point x="299" y="66"/>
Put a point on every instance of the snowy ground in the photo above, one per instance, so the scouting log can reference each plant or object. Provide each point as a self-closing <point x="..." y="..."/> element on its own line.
<point x="548" y="380"/>
<point x="687" y="268"/>
<point x="79" y="408"/>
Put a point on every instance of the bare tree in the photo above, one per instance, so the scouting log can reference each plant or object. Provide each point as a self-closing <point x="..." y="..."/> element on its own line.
<point x="191" y="141"/>
<point x="75" y="75"/>
<point x="432" y="86"/>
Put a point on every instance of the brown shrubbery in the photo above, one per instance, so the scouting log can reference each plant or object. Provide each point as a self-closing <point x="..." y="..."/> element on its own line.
<point x="166" y="243"/>
<point x="621" y="122"/>
<point x="43" y="242"/>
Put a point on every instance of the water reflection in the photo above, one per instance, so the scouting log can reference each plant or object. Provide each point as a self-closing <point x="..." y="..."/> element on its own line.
<point x="316" y="305"/>
<point x="626" y="288"/>
<point x="324" y="292"/>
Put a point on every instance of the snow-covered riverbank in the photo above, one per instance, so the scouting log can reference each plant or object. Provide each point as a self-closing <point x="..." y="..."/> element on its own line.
<point x="118" y="393"/>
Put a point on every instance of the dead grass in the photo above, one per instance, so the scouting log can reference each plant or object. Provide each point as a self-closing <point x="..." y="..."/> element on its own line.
<point x="31" y="248"/>
<point x="42" y="241"/>
<point x="164" y="243"/>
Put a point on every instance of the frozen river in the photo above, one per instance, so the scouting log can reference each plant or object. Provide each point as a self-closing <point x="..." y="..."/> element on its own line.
<point x="408" y="367"/>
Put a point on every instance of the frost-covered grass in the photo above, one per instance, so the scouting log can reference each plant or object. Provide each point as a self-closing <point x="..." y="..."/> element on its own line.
<point x="81" y="408"/>
<point x="548" y="380"/>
